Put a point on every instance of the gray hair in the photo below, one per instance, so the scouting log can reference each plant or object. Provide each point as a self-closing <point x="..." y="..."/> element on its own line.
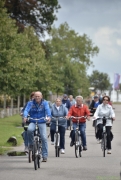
<point x="79" y="97"/>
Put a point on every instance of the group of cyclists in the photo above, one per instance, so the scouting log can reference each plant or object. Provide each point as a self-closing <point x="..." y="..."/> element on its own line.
<point x="67" y="107"/>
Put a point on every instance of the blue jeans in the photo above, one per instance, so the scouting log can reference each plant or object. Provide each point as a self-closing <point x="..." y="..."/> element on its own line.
<point x="82" y="128"/>
<point x="25" y="136"/>
<point x="61" y="130"/>
<point x="43" y="134"/>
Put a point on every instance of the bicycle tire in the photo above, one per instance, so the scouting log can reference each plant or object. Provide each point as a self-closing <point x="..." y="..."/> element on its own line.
<point x="104" y="144"/>
<point x="56" y="145"/>
<point x="35" y="155"/>
<point x="76" y="144"/>
<point x="39" y="155"/>
<point x="30" y="156"/>
<point x="80" y="150"/>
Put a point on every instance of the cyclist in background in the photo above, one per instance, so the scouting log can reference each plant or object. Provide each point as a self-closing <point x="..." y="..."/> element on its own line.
<point x="105" y="110"/>
<point x="24" y="134"/>
<point x="59" y="110"/>
<point x="67" y="104"/>
<point x="36" y="109"/>
<point x="72" y="100"/>
<point x="77" y="110"/>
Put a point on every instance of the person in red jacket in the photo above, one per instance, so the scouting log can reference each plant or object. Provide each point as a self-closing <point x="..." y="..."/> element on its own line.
<point x="79" y="109"/>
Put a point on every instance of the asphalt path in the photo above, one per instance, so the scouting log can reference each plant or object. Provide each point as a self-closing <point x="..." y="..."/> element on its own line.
<point x="91" y="166"/>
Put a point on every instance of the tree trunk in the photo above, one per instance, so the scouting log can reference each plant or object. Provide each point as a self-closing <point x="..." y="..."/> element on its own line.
<point x="18" y="104"/>
<point x="4" y="105"/>
<point x="24" y="100"/>
<point x="11" y="107"/>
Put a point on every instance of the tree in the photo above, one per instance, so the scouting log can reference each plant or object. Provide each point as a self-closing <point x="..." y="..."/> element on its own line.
<point x="69" y="56"/>
<point x="36" y="13"/>
<point x="99" y="80"/>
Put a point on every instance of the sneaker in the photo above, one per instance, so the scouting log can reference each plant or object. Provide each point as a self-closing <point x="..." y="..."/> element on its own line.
<point x="84" y="148"/>
<point x="44" y="159"/>
<point x="26" y="149"/>
<point x="71" y="143"/>
<point x="30" y="147"/>
<point x="100" y="141"/>
<point x="52" y="143"/>
<point x="62" y="151"/>
<point x="109" y="151"/>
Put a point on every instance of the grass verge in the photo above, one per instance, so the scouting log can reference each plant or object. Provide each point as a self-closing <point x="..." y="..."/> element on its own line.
<point x="10" y="126"/>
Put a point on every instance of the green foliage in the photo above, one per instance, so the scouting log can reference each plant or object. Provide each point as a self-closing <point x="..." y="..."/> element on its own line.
<point x="69" y="56"/>
<point x="38" y="14"/>
<point x="99" y="80"/>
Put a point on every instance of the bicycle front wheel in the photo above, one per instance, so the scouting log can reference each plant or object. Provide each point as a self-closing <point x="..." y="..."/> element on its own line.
<point x="35" y="155"/>
<point x="57" y="149"/>
<point x="77" y="144"/>
<point x="104" y="144"/>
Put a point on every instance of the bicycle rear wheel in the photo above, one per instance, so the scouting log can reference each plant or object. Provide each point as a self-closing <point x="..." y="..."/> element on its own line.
<point x="35" y="155"/>
<point x="30" y="156"/>
<point x="77" y="145"/>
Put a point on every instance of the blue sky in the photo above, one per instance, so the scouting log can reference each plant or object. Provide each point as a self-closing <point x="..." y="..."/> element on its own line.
<point x="101" y="21"/>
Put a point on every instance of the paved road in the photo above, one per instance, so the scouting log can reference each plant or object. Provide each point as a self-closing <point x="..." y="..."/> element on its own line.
<point x="91" y="166"/>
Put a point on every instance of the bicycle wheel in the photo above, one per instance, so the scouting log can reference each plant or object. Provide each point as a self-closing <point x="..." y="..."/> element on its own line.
<point x="39" y="155"/>
<point x="35" y="155"/>
<point x="30" y="156"/>
<point x="56" y="146"/>
<point x="104" y="144"/>
<point x="80" y="150"/>
<point x="76" y="144"/>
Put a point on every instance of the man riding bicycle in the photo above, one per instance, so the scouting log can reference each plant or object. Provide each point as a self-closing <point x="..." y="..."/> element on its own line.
<point x="77" y="110"/>
<point x="37" y="109"/>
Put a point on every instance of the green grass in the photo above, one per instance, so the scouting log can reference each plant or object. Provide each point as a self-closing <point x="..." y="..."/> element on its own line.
<point x="10" y="126"/>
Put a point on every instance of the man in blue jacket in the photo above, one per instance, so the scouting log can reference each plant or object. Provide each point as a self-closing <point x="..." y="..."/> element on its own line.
<point x="36" y="109"/>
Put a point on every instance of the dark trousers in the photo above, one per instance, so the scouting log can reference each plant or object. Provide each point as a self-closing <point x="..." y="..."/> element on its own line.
<point x="61" y="130"/>
<point x="108" y="131"/>
<point x="68" y="123"/>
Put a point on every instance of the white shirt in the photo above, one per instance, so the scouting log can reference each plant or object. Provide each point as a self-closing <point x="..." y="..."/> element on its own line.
<point x="104" y="110"/>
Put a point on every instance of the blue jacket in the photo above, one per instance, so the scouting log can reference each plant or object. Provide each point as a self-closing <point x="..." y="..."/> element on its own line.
<point x="37" y="111"/>
<point x="59" y="113"/>
<point x="66" y="103"/>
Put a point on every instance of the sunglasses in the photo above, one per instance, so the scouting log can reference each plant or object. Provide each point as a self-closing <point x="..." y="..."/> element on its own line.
<point x="105" y="100"/>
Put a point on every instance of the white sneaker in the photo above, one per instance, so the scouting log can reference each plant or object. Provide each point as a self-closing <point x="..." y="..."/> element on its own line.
<point x="109" y="151"/>
<point x="26" y="149"/>
<point x="62" y="151"/>
<point x="52" y="143"/>
<point x="100" y="141"/>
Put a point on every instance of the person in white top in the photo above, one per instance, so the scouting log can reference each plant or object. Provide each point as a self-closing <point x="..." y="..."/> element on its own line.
<point x="105" y="110"/>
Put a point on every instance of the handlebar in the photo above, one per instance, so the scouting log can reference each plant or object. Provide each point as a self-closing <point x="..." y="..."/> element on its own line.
<point x="58" y="117"/>
<point x="78" y="117"/>
<point x="37" y="119"/>
<point x="104" y="118"/>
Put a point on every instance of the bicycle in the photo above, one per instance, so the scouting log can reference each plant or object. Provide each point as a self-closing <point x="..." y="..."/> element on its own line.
<point x="57" y="137"/>
<point x="36" y="153"/>
<point x="78" y="140"/>
<point x="104" y="134"/>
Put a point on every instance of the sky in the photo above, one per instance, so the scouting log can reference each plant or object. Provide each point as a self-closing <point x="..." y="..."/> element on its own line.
<point x="100" y="20"/>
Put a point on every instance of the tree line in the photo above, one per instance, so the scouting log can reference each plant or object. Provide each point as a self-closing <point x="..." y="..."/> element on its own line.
<point x="58" y="64"/>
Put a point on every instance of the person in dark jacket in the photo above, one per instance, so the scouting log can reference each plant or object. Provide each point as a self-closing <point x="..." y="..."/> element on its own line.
<point x="59" y="110"/>
<point x="67" y="104"/>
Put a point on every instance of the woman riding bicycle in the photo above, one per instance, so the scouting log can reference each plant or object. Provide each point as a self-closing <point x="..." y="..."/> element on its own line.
<point x="105" y="110"/>
<point x="59" y="110"/>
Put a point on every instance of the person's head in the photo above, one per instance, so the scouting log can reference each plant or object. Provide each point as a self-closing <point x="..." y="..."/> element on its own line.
<point x="32" y="95"/>
<point x="58" y="101"/>
<point x="96" y="98"/>
<point x="105" y="99"/>
<point x="65" y="97"/>
<point x="70" y="97"/>
<point x="38" y="96"/>
<point x="79" y="100"/>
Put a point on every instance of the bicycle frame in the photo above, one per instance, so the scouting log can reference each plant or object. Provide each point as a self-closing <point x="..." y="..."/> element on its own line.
<point x="78" y="141"/>
<point x="37" y="146"/>
<point x="104" y="134"/>
<point x="57" y="137"/>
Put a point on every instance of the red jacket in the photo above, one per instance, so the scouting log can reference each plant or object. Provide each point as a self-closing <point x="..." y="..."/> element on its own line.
<point x="79" y="111"/>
